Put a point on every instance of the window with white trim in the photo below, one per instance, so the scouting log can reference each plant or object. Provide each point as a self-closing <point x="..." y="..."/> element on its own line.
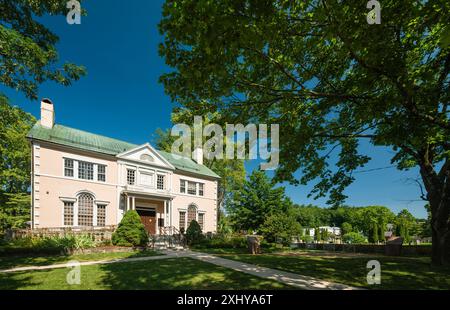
<point x="131" y="177"/>
<point x="85" y="170"/>
<point x="182" y="223"/>
<point x="192" y="188"/>
<point x="101" y="215"/>
<point x="68" y="213"/>
<point x="85" y="210"/>
<point x="101" y="173"/>
<point x="160" y="180"/>
<point x="192" y="214"/>
<point x="201" y="220"/>
<point x="68" y="167"/>
<point x="182" y="186"/>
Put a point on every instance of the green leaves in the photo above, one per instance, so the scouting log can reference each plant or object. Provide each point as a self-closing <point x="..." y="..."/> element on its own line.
<point x="15" y="164"/>
<point x="321" y="72"/>
<point x="255" y="201"/>
<point x="28" y="53"/>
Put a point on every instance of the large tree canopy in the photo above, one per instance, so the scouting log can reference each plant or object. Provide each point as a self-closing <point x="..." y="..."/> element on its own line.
<point x="15" y="165"/>
<point x="329" y="79"/>
<point x="28" y="55"/>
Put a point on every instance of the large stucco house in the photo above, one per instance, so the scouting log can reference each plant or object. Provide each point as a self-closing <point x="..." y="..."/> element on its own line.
<point x="81" y="179"/>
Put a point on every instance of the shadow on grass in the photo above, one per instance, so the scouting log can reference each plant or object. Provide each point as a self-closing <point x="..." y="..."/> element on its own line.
<point x="180" y="274"/>
<point x="39" y="260"/>
<point x="396" y="273"/>
<point x="159" y="274"/>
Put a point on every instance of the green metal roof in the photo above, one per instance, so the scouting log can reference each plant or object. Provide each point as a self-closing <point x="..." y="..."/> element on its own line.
<point x="187" y="164"/>
<point x="96" y="143"/>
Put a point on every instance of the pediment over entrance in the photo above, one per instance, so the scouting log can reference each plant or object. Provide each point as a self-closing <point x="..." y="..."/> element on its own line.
<point x="146" y="154"/>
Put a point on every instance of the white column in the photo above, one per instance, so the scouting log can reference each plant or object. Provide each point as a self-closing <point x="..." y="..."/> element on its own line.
<point x="128" y="203"/>
<point x="134" y="202"/>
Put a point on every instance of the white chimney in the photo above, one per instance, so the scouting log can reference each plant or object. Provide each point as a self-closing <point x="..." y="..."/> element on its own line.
<point x="197" y="155"/>
<point x="47" y="113"/>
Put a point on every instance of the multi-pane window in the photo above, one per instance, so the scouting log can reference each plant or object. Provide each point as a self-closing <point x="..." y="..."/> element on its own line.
<point x="85" y="170"/>
<point x="101" y="173"/>
<point x="192" y="188"/>
<point x="68" y="167"/>
<point x="182" y="221"/>
<point x="201" y="220"/>
<point x="160" y="181"/>
<point x="101" y="215"/>
<point x="131" y="176"/>
<point x="85" y="210"/>
<point x="192" y="214"/>
<point x="68" y="213"/>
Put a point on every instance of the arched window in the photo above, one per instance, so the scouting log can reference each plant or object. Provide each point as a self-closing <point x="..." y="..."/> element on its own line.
<point x="85" y="210"/>
<point x="191" y="214"/>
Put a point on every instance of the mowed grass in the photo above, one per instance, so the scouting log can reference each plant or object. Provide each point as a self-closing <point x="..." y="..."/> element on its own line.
<point x="396" y="272"/>
<point x="20" y="261"/>
<point x="164" y="274"/>
<point x="173" y="273"/>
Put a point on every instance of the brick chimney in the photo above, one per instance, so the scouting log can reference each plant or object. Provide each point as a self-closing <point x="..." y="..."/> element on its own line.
<point x="197" y="155"/>
<point x="47" y="113"/>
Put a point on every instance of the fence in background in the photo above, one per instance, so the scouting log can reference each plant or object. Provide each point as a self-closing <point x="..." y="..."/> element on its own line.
<point x="364" y="248"/>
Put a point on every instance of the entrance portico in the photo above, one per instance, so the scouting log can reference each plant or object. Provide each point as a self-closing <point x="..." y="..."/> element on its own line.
<point x="155" y="211"/>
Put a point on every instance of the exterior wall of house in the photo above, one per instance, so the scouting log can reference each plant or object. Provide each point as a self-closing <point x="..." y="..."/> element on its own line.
<point x="51" y="188"/>
<point x="206" y="204"/>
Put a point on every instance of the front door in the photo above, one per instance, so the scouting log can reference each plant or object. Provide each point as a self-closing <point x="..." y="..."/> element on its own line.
<point x="148" y="218"/>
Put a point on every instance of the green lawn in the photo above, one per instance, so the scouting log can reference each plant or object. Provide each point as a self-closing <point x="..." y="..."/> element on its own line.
<point x="173" y="273"/>
<point x="396" y="272"/>
<point x="11" y="262"/>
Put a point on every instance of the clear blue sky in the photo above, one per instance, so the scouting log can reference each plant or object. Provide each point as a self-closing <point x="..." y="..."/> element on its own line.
<point x="121" y="97"/>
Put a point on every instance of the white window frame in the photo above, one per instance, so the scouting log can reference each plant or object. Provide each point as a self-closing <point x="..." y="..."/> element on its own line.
<point x="184" y="182"/>
<point x="203" y="213"/>
<point x="98" y="173"/>
<point x="73" y="167"/>
<point x="76" y="164"/>
<point x="164" y="176"/>
<point x="126" y="175"/>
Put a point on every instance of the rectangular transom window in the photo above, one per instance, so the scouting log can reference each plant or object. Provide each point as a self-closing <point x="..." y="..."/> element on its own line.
<point x="68" y="213"/>
<point x="101" y="173"/>
<point x="131" y="177"/>
<point x="68" y="167"/>
<point x="85" y="170"/>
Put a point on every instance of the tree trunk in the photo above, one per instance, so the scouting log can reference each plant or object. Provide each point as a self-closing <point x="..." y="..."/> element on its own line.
<point x="438" y="195"/>
<point x="440" y="228"/>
